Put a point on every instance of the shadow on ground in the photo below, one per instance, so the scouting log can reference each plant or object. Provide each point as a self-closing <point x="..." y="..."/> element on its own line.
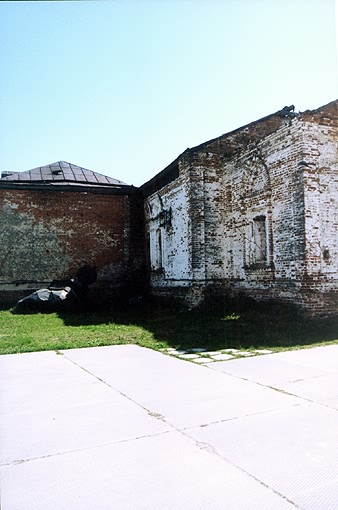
<point x="232" y="324"/>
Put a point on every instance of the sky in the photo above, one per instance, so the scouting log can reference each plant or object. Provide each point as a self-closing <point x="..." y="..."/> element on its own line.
<point x="122" y="87"/>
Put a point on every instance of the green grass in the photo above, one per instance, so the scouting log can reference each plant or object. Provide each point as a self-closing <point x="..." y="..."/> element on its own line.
<point x="36" y="332"/>
<point x="273" y="327"/>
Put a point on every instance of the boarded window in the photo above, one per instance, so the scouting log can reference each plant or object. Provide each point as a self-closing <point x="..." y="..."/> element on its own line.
<point x="156" y="249"/>
<point x="259" y="239"/>
<point x="159" y="261"/>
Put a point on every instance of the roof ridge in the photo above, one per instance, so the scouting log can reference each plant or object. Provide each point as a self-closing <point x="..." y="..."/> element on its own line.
<point x="63" y="171"/>
<point x="83" y="168"/>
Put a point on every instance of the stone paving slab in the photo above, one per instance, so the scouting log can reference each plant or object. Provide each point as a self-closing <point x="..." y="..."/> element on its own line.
<point x="189" y="356"/>
<point x="200" y="355"/>
<point x="222" y="357"/>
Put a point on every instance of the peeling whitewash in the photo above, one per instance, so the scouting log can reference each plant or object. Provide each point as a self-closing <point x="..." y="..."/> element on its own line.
<point x="169" y="234"/>
<point x="254" y="211"/>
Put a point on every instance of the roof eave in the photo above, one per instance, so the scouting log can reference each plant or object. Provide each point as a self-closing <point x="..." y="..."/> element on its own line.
<point x="106" y="189"/>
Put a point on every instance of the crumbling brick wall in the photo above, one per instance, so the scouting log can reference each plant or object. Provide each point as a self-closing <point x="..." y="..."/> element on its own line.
<point x="265" y="216"/>
<point x="253" y="212"/>
<point x="168" y="234"/>
<point x="320" y="173"/>
<point x="192" y="250"/>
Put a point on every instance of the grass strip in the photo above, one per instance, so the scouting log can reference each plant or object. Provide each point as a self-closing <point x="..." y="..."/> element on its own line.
<point x="264" y="326"/>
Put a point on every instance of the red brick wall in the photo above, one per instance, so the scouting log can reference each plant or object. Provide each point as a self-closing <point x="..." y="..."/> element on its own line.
<point x="48" y="235"/>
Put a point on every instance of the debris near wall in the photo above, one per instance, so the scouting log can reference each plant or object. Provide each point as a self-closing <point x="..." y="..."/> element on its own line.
<point x="72" y="297"/>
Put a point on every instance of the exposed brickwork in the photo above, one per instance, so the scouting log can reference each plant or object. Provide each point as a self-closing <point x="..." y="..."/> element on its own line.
<point x="48" y="235"/>
<point x="254" y="211"/>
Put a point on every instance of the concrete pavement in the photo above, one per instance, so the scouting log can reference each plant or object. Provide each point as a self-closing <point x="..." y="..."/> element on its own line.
<point x="128" y="428"/>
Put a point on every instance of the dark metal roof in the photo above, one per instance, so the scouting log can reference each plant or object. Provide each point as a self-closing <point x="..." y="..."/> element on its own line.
<point x="62" y="172"/>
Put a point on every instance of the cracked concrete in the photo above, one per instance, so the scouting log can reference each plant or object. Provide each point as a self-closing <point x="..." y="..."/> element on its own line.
<point x="128" y="428"/>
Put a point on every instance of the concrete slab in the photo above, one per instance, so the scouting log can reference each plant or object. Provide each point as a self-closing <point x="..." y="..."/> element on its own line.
<point x="311" y="374"/>
<point x="324" y="358"/>
<point x="128" y="428"/>
<point x="58" y="408"/>
<point x="270" y="370"/>
<point x="184" y="393"/>
<point x="165" y="472"/>
<point x="294" y="451"/>
<point x="322" y="390"/>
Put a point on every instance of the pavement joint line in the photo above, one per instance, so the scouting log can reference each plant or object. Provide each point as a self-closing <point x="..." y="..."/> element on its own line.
<point x="208" y="448"/>
<point x="150" y="413"/>
<point x="279" y="390"/>
<point x="307" y="378"/>
<point x="153" y="414"/>
<point x="234" y="418"/>
<point x="203" y="446"/>
<point x="185" y="432"/>
<point x="162" y="418"/>
<point x="77" y="450"/>
<point x="250" y="475"/>
<point x="158" y="416"/>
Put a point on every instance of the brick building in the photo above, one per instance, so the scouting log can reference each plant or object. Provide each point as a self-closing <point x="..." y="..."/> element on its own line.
<point x="253" y="211"/>
<point x="58" y="217"/>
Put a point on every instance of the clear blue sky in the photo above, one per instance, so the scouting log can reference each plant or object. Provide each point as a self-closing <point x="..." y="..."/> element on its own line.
<point x="123" y="87"/>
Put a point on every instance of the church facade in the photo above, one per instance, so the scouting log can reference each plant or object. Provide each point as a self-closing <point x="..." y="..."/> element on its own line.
<point x="253" y="212"/>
